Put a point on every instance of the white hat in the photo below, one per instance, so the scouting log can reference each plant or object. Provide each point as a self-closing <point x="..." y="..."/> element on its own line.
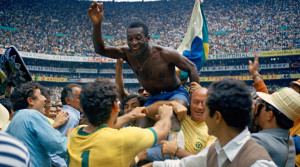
<point x="4" y="118"/>
<point x="286" y="100"/>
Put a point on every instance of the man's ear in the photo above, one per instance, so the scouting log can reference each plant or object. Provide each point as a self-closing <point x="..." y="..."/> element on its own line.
<point x="115" y="107"/>
<point x="29" y="101"/>
<point x="67" y="100"/>
<point x="218" y="117"/>
<point x="270" y="115"/>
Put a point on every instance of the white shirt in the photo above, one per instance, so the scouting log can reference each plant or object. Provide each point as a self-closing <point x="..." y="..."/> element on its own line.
<point x="230" y="150"/>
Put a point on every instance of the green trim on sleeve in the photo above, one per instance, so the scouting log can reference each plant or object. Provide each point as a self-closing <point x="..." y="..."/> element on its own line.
<point x="155" y="135"/>
<point x="80" y="132"/>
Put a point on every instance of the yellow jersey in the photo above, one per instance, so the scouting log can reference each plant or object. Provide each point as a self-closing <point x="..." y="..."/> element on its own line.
<point x="107" y="146"/>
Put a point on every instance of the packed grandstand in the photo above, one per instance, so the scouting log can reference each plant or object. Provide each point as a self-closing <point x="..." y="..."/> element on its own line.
<point x="55" y="37"/>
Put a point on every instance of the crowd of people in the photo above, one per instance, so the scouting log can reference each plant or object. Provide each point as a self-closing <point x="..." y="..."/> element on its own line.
<point x="62" y="28"/>
<point x="168" y="123"/>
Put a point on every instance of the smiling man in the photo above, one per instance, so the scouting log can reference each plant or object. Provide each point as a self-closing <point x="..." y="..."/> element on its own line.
<point x="194" y="129"/>
<point x="153" y="66"/>
<point x="30" y="126"/>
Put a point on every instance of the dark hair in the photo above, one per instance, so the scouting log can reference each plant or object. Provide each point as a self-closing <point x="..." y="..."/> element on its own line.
<point x="97" y="99"/>
<point x="139" y="24"/>
<point x="127" y="98"/>
<point x="68" y="92"/>
<point x="281" y="120"/>
<point x="6" y="103"/>
<point x="232" y="99"/>
<point x="20" y="94"/>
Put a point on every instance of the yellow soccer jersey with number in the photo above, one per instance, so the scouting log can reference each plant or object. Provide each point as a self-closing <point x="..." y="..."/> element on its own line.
<point x="196" y="136"/>
<point x="107" y="146"/>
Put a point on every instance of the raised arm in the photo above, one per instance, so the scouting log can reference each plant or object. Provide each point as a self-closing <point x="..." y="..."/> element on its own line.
<point x="183" y="64"/>
<point x="96" y="16"/>
<point x="259" y="84"/>
<point x="119" y="79"/>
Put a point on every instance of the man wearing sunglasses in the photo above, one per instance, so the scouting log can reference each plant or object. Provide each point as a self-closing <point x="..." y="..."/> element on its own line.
<point x="275" y="115"/>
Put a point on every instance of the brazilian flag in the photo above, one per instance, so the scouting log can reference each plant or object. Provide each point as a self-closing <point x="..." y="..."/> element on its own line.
<point x="195" y="44"/>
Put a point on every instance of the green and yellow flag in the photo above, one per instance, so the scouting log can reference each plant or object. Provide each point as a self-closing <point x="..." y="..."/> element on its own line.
<point x="195" y="44"/>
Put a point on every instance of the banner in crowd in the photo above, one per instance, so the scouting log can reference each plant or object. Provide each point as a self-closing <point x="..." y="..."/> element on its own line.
<point x="280" y="53"/>
<point x="86" y="70"/>
<point x="67" y="58"/>
<point x="48" y="69"/>
<point x="245" y="67"/>
<point x="230" y="56"/>
<point x="195" y="42"/>
<point x="49" y="79"/>
<point x="108" y="71"/>
<point x="109" y="60"/>
<point x="243" y="78"/>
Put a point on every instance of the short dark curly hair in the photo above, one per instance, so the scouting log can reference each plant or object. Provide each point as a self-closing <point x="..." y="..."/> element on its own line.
<point x="139" y="24"/>
<point x="97" y="99"/>
<point x="20" y="94"/>
<point x="232" y="99"/>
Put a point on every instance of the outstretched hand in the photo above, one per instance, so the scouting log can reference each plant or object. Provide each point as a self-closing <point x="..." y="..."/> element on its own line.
<point x="138" y="112"/>
<point x="96" y="12"/>
<point x="253" y="66"/>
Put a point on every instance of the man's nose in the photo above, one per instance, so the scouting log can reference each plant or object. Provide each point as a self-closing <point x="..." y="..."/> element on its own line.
<point x="134" y="41"/>
<point x="200" y="105"/>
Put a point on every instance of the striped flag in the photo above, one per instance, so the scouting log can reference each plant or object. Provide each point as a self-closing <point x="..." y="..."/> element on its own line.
<point x="195" y="44"/>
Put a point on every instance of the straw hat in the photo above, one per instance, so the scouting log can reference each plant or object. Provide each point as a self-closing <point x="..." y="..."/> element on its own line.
<point x="4" y="118"/>
<point x="295" y="83"/>
<point x="286" y="100"/>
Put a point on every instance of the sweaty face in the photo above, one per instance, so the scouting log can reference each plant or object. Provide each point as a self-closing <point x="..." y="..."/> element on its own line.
<point x="136" y="40"/>
<point x="39" y="102"/>
<point x="197" y="108"/>
<point x="131" y="104"/>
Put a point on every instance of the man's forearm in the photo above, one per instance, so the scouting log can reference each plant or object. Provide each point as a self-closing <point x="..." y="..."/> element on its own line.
<point x="98" y="39"/>
<point x="194" y="75"/>
<point x="122" y="120"/>
<point x="153" y="108"/>
<point x="162" y="128"/>
<point x="181" y="153"/>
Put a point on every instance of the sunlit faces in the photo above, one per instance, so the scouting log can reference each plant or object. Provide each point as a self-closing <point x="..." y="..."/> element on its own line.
<point x="197" y="108"/>
<point x="39" y="101"/>
<point x="131" y="104"/>
<point x="52" y="112"/>
<point x="136" y="40"/>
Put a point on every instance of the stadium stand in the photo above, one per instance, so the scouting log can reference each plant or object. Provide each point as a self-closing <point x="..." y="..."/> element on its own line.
<point x="55" y="37"/>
